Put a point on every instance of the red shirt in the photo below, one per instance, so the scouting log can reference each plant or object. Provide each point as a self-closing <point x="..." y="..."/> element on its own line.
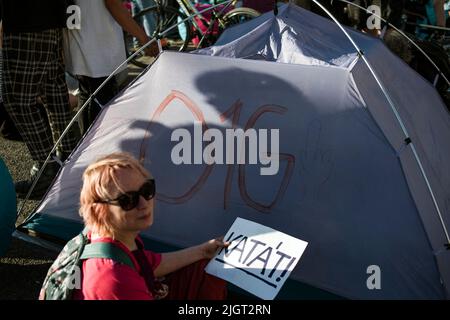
<point x="106" y="279"/>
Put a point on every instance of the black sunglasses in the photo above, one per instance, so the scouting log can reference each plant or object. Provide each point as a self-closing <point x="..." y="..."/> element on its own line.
<point x="129" y="200"/>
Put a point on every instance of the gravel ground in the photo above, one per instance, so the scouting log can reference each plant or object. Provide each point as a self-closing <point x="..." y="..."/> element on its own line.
<point x="24" y="266"/>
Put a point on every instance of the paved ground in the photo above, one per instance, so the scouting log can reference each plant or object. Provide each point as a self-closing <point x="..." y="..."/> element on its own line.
<point x="25" y="265"/>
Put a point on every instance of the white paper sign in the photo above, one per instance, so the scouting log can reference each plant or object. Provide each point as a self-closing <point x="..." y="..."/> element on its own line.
<point x="259" y="259"/>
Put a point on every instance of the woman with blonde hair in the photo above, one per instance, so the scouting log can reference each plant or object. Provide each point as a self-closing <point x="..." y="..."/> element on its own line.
<point x="117" y="203"/>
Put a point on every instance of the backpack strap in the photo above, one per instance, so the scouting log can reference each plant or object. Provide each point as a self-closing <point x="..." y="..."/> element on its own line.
<point x="106" y="251"/>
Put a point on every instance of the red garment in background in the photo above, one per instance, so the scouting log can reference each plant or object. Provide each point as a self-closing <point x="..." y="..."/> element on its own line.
<point x="193" y="283"/>
<point x="259" y="5"/>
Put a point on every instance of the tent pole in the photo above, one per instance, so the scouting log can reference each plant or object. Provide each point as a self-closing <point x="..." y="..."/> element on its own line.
<point x="404" y="35"/>
<point x="397" y="115"/>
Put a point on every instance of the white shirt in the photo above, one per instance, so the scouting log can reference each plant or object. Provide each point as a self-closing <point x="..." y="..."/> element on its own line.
<point x="98" y="47"/>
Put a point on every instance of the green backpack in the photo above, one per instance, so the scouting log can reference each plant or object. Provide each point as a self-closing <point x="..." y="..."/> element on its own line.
<point x="65" y="273"/>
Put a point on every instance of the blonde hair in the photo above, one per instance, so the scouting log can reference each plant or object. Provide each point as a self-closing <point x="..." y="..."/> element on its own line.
<point x="99" y="179"/>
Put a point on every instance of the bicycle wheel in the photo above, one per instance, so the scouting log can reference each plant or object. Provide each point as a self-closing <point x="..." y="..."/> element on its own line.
<point x="239" y="15"/>
<point x="155" y="20"/>
<point x="179" y="37"/>
<point x="131" y="43"/>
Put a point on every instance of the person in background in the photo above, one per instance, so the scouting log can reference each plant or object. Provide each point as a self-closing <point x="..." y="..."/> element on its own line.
<point x="95" y="50"/>
<point x="117" y="202"/>
<point x="7" y="128"/>
<point x="33" y="67"/>
<point x="440" y="13"/>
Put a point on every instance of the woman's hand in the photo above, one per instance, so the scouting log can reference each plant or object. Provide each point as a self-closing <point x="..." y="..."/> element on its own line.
<point x="208" y="249"/>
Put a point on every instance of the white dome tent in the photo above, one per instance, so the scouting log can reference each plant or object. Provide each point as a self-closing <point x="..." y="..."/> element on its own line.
<point x="349" y="181"/>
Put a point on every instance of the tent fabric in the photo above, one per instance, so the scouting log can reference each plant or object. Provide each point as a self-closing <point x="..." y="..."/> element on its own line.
<point x="412" y="96"/>
<point x="7" y="208"/>
<point x="290" y="37"/>
<point x="346" y="183"/>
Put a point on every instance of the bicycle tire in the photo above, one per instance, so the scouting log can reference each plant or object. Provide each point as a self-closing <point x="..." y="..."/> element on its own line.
<point x="131" y="44"/>
<point x="155" y="20"/>
<point x="239" y="15"/>
<point x="168" y="17"/>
